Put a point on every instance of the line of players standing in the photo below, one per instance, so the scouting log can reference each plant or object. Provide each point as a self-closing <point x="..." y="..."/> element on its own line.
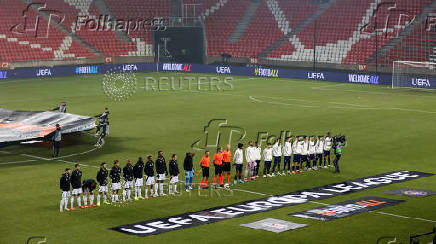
<point x="311" y="151"/>
<point x="133" y="180"/>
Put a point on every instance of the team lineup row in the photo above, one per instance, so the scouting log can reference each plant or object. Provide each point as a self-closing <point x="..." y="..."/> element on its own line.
<point x="315" y="153"/>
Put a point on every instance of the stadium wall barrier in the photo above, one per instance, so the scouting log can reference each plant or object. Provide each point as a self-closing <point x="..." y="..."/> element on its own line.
<point x="305" y="74"/>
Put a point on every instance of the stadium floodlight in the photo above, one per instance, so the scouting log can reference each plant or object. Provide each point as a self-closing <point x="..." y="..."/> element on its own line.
<point x="414" y="74"/>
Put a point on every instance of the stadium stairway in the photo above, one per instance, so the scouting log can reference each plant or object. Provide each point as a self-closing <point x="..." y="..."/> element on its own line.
<point x="407" y="31"/>
<point x="136" y="9"/>
<point x="284" y="24"/>
<point x="337" y="40"/>
<point x="104" y="10"/>
<point x="104" y="41"/>
<point x="245" y="21"/>
<point x="68" y="41"/>
<point x="212" y="9"/>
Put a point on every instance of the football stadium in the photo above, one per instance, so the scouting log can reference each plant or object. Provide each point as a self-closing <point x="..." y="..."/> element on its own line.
<point x="218" y="121"/>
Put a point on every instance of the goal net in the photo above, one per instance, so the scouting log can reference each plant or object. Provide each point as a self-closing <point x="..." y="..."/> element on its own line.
<point x="414" y="74"/>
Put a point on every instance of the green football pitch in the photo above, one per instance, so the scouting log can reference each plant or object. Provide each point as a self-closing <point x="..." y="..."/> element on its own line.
<point x="387" y="130"/>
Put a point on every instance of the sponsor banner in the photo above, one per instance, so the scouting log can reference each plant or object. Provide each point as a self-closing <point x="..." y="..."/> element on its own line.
<point x="87" y="69"/>
<point x="207" y="216"/>
<point x="422" y="82"/>
<point x="4" y="74"/>
<point x="223" y="70"/>
<point x="266" y="72"/>
<point x="305" y="74"/>
<point x="364" y="79"/>
<point x="411" y="192"/>
<point x="17" y="126"/>
<point x="42" y="72"/>
<point x="178" y="67"/>
<point x="274" y="225"/>
<point x="347" y="208"/>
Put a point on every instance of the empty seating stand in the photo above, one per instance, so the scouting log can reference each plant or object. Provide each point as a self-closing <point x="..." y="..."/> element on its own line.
<point x="344" y="32"/>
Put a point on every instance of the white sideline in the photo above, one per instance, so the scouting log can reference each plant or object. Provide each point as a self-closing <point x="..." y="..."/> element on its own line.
<point x="325" y="204"/>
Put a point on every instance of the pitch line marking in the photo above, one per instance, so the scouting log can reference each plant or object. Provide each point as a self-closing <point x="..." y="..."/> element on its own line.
<point x="33" y="156"/>
<point x="427" y="220"/>
<point x="252" y="192"/>
<point x="285" y="98"/>
<point x="372" y="92"/>
<point x="280" y="103"/>
<point x="353" y="105"/>
<point x="395" y="215"/>
<point x="254" y="99"/>
<point x="69" y="162"/>
<point x="81" y="153"/>
<point x="18" y="162"/>
<point x="340" y="84"/>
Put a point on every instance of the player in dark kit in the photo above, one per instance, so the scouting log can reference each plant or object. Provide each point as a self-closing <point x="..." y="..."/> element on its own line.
<point x="102" y="180"/>
<point x="88" y="187"/>
<point x="62" y="108"/>
<point x="76" y="183"/>
<point x="128" y="180"/>
<point x="137" y="174"/>
<point x="188" y="166"/>
<point x="64" y="185"/>
<point x="174" y="175"/>
<point x="104" y="132"/>
<point x="149" y="174"/>
<point x="161" y="172"/>
<point x="115" y="175"/>
<point x="101" y="118"/>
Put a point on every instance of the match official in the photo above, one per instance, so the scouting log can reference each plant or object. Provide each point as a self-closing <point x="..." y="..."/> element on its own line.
<point x="56" y="139"/>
